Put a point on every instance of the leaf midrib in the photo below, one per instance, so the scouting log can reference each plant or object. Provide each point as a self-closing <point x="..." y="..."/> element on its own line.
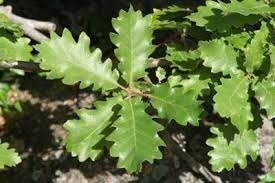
<point x="131" y="52"/>
<point x="133" y="125"/>
<point x="233" y="93"/>
<point x="102" y="123"/>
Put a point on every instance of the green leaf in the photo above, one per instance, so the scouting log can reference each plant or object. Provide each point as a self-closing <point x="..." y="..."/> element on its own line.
<point x="185" y="60"/>
<point x="174" y="55"/>
<point x="219" y="56"/>
<point x="85" y="134"/>
<point x="193" y="82"/>
<point x="200" y="17"/>
<point x="265" y="93"/>
<point x="225" y="155"/>
<point x="231" y="101"/>
<point x="8" y="28"/>
<point x="254" y="52"/>
<point x="4" y="89"/>
<point x="272" y="59"/>
<point x="247" y="7"/>
<point x="173" y="103"/>
<point x="216" y="16"/>
<point x="160" y="73"/>
<point x="134" y="42"/>
<point x="135" y="137"/>
<point x="15" y="51"/>
<point x="170" y="18"/>
<point x="64" y="58"/>
<point x="174" y="80"/>
<point x="238" y="41"/>
<point x="8" y="156"/>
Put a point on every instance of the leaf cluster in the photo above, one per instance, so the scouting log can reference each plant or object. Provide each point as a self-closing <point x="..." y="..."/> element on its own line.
<point x="121" y="123"/>
<point x="228" y="66"/>
<point x="237" y="54"/>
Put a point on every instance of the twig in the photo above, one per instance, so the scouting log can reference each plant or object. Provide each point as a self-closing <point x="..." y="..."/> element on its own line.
<point x="30" y="27"/>
<point x="26" y="66"/>
<point x="34" y="67"/>
<point x="174" y="145"/>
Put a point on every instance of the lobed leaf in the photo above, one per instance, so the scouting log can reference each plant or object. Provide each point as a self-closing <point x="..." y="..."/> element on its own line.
<point x="219" y="56"/>
<point x="213" y="19"/>
<point x="168" y="18"/>
<point x="85" y="134"/>
<point x="247" y="7"/>
<point x="176" y="103"/>
<point x="225" y="155"/>
<point x="4" y="90"/>
<point x="231" y="101"/>
<point x="185" y="60"/>
<point x="8" y="156"/>
<point x="8" y="28"/>
<point x="272" y="60"/>
<point x="135" y="136"/>
<point x="160" y="73"/>
<point x="222" y="16"/>
<point x="134" y="43"/>
<point x="194" y="83"/>
<point x="174" y="80"/>
<point x="238" y="41"/>
<point x="15" y="51"/>
<point x="254" y="52"/>
<point x="64" y="58"/>
<point x="265" y="93"/>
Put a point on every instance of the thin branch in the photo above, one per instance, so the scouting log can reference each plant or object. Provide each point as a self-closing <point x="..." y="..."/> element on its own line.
<point x="174" y="144"/>
<point x="26" y="66"/>
<point x="30" y="27"/>
<point x="34" y="67"/>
